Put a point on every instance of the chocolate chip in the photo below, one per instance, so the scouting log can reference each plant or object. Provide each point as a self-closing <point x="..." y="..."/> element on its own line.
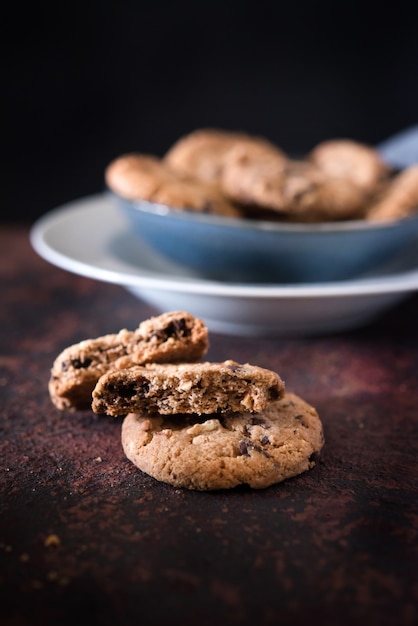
<point x="257" y="421"/>
<point x="176" y="328"/>
<point x="128" y="389"/>
<point x="301" y="420"/>
<point x="141" y="385"/>
<point x="243" y="447"/>
<point x="78" y="364"/>
<point x="246" y="444"/>
<point x="274" y="393"/>
<point x="264" y="440"/>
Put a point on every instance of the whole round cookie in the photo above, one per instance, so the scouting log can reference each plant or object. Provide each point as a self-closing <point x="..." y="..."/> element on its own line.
<point x="203" y="153"/>
<point x="344" y="158"/>
<point x="210" y="452"/>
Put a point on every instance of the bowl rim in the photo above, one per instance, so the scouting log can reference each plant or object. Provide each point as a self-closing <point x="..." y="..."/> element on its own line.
<point x="250" y="224"/>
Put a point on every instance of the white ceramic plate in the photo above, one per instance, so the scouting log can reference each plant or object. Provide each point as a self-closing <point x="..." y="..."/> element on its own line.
<point x="90" y="237"/>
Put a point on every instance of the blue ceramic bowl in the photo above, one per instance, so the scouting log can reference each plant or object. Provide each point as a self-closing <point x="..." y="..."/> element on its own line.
<point x="247" y="250"/>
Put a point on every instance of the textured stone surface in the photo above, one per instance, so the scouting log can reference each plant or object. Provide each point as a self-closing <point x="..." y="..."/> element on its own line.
<point x="85" y="538"/>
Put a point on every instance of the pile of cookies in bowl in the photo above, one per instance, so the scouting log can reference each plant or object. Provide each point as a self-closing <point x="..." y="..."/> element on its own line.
<point x="235" y="207"/>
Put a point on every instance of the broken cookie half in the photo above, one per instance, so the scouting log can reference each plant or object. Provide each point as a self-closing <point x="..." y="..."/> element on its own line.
<point x="187" y="388"/>
<point x="171" y="337"/>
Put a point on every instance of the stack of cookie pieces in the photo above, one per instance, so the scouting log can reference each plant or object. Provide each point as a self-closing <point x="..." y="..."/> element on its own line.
<point x="190" y="423"/>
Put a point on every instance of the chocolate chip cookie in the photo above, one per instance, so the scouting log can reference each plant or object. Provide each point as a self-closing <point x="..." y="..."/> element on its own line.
<point x="145" y="177"/>
<point x="187" y="388"/>
<point x="291" y="190"/>
<point x="223" y="451"/>
<point x="203" y="153"/>
<point x="171" y="337"/>
<point x="344" y="158"/>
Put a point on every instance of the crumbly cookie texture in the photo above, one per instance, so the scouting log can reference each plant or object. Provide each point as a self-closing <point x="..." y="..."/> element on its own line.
<point x="187" y="388"/>
<point x="223" y="451"/>
<point x="399" y="199"/>
<point x="171" y="337"/>
<point x="203" y="153"/>
<point x="145" y="177"/>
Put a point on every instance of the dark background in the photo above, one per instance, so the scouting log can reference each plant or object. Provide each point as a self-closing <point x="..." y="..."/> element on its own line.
<point x="85" y="82"/>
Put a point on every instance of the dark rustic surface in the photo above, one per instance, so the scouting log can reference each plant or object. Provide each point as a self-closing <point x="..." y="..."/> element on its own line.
<point x="86" y="538"/>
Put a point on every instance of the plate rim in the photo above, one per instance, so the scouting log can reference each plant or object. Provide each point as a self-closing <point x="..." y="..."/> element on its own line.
<point x="397" y="282"/>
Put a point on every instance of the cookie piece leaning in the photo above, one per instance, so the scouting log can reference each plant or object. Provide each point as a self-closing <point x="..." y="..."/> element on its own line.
<point x="398" y="200"/>
<point x="187" y="388"/>
<point x="170" y="337"/>
<point x="222" y="452"/>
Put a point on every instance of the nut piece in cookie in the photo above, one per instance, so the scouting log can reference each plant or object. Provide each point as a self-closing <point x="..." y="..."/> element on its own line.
<point x="144" y="177"/>
<point x="170" y="337"/>
<point x="399" y="199"/>
<point x="203" y="153"/>
<point x="187" y="388"/>
<point x="223" y="451"/>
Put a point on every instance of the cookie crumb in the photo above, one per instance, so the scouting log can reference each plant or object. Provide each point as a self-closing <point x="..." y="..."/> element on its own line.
<point x="52" y="541"/>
